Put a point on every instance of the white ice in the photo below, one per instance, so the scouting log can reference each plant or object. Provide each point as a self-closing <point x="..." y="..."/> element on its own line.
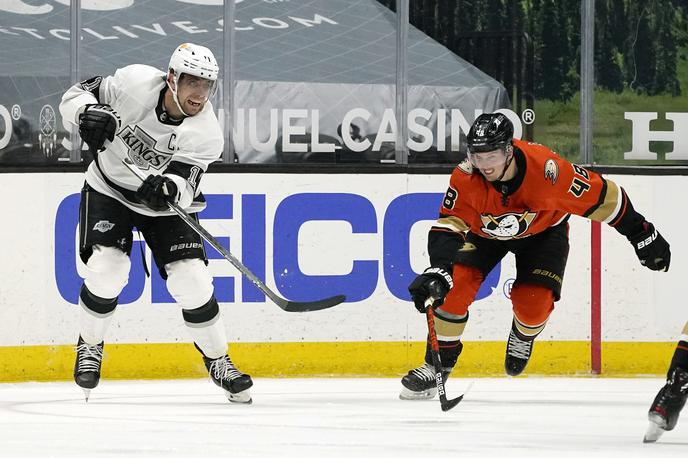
<point x="501" y="417"/>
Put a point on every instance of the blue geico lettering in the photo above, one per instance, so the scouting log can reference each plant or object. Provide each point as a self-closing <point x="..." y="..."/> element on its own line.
<point x="300" y="208"/>
<point x="292" y="213"/>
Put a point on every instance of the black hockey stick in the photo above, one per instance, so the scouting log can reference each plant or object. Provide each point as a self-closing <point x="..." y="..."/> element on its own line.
<point x="289" y="306"/>
<point x="446" y="404"/>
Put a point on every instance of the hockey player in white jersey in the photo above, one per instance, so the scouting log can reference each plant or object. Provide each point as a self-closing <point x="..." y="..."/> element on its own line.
<point x="165" y="124"/>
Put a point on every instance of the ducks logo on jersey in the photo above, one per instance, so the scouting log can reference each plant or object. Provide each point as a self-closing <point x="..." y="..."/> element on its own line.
<point x="551" y="171"/>
<point x="507" y="226"/>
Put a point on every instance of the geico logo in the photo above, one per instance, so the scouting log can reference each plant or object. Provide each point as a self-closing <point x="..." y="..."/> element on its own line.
<point x="376" y="255"/>
<point x="647" y="241"/>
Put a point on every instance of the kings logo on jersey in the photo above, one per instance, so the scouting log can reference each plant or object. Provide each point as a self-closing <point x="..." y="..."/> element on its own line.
<point x="507" y="226"/>
<point x="142" y="150"/>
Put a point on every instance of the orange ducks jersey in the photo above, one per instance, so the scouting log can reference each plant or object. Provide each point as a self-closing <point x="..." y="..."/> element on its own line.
<point x="545" y="191"/>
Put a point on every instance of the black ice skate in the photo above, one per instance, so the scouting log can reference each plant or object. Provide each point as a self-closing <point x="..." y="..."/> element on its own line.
<point x="224" y="374"/>
<point x="517" y="354"/>
<point x="420" y="383"/>
<point x="668" y="403"/>
<point x="87" y="365"/>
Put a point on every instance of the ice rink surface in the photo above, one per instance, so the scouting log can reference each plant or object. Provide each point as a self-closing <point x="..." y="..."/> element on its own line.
<point x="500" y="417"/>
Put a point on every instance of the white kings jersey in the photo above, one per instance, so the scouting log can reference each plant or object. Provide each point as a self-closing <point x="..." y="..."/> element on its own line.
<point x="179" y="149"/>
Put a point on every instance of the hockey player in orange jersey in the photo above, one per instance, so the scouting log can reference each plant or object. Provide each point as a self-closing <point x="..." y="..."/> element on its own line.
<point x="513" y="196"/>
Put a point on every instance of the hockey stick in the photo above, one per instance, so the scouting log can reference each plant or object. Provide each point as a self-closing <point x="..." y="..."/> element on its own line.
<point x="446" y="404"/>
<point x="289" y="306"/>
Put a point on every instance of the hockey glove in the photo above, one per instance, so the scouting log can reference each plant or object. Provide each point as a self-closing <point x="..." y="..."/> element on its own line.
<point x="651" y="248"/>
<point x="96" y="124"/>
<point x="156" y="192"/>
<point x="435" y="282"/>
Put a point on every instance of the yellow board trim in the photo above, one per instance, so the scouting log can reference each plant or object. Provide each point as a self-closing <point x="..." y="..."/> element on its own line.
<point x="332" y="359"/>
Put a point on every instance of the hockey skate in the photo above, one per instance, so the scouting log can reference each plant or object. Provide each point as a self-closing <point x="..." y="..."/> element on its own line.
<point x="420" y="383"/>
<point x="518" y="353"/>
<point x="668" y="403"/>
<point x="233" y="382"/>
<point x="87" y="365"/>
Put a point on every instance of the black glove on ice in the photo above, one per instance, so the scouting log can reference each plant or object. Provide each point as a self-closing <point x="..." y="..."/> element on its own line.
<point x="156" y="191"/>
<point x="651" y="248"/>
<point x="96" y="124"/>
<point x="434" y="282"/>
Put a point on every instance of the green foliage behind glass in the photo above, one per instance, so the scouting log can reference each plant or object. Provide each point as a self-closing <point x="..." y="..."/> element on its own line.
<point x="557" y="122"/>
<point x="636" y="42"/>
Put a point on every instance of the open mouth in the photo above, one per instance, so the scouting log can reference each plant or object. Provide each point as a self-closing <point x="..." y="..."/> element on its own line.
<point x="194" y="104"/>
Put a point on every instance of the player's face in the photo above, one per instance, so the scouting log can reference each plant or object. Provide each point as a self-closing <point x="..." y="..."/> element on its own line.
<point x="193" y="92"/>
<point x="490" y="163"/>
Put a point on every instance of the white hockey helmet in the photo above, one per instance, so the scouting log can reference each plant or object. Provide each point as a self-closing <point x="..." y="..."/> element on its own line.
<point x="193" y="60"/>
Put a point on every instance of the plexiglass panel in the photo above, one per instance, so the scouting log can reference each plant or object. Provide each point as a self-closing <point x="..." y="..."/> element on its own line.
<point x="641" y="110"/>
<point x="315" y="82"/>
<point x="516" y="56"/>
<point x="34" y="71"/>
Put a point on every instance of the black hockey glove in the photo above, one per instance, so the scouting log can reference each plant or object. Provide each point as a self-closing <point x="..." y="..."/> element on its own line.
<point x="651" y="248"/>
<point x="156" y="191"/>
<point x="96" y="124"/>
<point x="435" y="282"/>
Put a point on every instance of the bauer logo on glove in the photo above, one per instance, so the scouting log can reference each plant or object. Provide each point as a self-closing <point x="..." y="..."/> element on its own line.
<point x="643" y="243"/>
<point x="98" y="123"/>
<point x="651" y="248"/>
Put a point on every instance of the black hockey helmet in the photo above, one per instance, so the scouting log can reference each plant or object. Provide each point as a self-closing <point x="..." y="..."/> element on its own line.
<point x="489" y="132"/>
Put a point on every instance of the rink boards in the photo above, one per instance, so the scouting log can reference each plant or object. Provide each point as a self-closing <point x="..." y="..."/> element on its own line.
<point x="311" y="236"/>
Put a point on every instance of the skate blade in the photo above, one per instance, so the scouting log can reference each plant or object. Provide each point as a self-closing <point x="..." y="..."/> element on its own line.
<point x="243" y="397"/>
<point x="654" y="432"/>
<point x="87" y="393"/>
<point x="409" y="395"/>
<point x="656" y="427"/>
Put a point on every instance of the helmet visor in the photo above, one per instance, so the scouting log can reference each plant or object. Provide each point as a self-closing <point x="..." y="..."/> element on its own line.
<point x="197" y="85"/>
<point x="487" y="159"/>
